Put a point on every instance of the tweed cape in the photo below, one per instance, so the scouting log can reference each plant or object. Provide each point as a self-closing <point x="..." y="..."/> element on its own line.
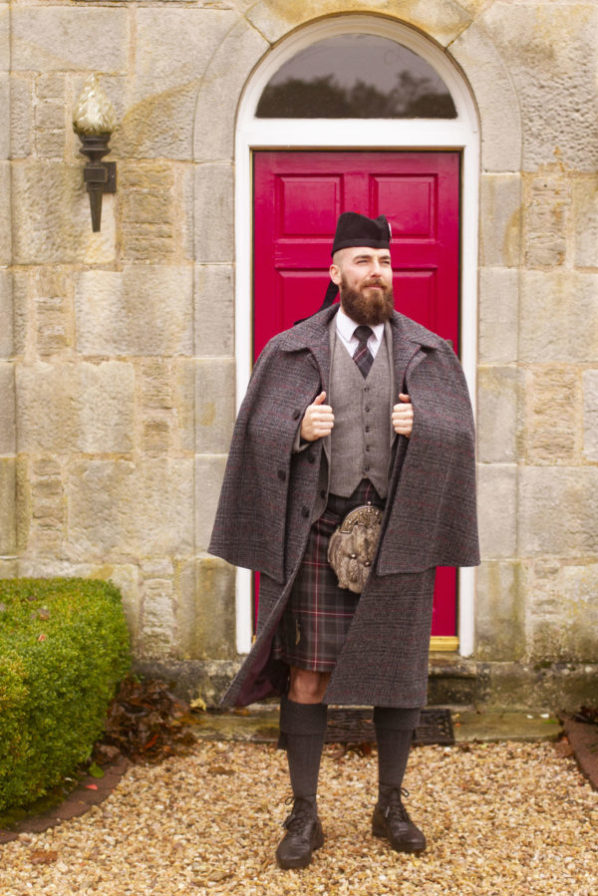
<point x="269" y="494"/>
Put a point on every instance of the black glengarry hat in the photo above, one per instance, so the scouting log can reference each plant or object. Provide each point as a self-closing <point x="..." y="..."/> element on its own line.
<point x="353" y="229"/>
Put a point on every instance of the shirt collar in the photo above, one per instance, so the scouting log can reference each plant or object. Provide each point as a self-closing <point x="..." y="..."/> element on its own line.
<point x="346" y="326"/>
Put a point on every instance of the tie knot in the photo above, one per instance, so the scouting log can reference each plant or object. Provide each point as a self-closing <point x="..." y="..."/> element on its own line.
<point x="362" y="333"/>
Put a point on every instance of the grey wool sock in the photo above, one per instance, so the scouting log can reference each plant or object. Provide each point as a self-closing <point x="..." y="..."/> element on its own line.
<point x="394" y="734"/>
<point x="303" y="729"/>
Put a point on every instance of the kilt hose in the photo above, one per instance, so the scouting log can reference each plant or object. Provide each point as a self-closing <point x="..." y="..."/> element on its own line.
<point x="316" y="620"/>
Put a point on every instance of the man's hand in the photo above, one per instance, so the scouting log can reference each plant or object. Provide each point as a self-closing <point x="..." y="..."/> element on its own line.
<point x="318" y="420"/>
<point x="402" y="416"/>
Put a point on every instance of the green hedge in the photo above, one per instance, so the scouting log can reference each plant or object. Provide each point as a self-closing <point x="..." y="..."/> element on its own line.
<point x="64" y="646"/>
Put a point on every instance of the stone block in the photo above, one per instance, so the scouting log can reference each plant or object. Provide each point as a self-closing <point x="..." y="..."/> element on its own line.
<point x="152" y="213"/>
<point x="500" y="220"/>
<point x="50" y="115"/>
<point x="183" y="386"/>
<point x="214" y="241"/>
<point x="540" y="49"/>
<point x="206" y="611"/>
<point x="6" y="194"/>
<point x="119" y="509"/>
<point x="52" y="221"/>
<point x="498" y="315"/>
<point x="500" y="612"/>
<point x="8" y="507"/>
<point x="9" y="569"/>
<point x="499" y="391"/>
<point x="173" y="47"/>
<point x="158" y="623"/>
<point x="51" y="87"/>
<point x="54" y="325"/>
<point x="563" y="612"/>
<point x="214" y="311"/>
<point x="4" y="37"/>
<point x="7" y="408"/>
<point x="85" y="407"/>
<point x="6" y="321"/>
<point x="590" y="414"/>
<point x="547" y="209"/>
<point x="209" y="473"/>
<point x="61" y="38"/>
<point x="553" y="403"/>
<point x="585" y="216"/>
<point x="559" y="317"/>
<point x="497" y="510"/>
<point x="143" y="310"/>
<point x="4" y="116"/>
<point x="214" y="405"/>
<point x="558" y="508"/>
<point x="21" y="115"/>
<point x="495" y="97"/>
<point x="443" y="20"/>
<point x="214" y="130"/>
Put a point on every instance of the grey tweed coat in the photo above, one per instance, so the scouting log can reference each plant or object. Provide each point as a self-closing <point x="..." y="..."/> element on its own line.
<point x="269" y="494"/>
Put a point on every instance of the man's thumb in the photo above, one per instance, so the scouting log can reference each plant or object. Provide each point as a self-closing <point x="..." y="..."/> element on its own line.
<point x="320" y="399"/>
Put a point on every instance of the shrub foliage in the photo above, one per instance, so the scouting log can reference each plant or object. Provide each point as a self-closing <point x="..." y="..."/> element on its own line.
<point x="64" y="646"/>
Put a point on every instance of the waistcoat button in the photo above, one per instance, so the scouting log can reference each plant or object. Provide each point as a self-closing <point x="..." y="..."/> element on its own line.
<point x="282" y="475"/>
<point x="305" y="511"/>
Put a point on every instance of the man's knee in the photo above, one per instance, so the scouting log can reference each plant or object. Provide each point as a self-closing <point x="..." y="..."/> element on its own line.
<point x="307" y="687"/>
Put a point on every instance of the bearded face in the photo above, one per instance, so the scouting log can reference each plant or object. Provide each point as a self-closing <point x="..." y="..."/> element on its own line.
<point x="364" y="278"/>
<point x="369" y="304"/>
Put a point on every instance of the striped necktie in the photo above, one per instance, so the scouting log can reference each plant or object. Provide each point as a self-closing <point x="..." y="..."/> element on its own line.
<point x="363" y="357"/>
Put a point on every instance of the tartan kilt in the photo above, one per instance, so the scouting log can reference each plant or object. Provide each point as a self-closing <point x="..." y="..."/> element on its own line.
<point x="318" y="615"/>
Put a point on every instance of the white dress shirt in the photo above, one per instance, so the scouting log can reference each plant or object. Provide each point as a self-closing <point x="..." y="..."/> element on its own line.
<point x="345" y="328"/>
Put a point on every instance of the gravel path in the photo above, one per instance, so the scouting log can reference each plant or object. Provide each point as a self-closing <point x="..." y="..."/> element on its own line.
<point x="506" y="819"/>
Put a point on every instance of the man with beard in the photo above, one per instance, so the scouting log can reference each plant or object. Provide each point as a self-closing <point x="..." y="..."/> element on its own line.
<point x="356" y="407"/>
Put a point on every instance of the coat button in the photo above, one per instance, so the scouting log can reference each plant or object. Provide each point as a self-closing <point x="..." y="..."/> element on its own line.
<point x="311" y="457"/>
<point x="282" y="475"/>
<point x="305" y="511"/>
<point x="296" y="414"/>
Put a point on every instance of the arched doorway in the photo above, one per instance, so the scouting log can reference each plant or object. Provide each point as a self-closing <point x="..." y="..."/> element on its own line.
<point x="423" y="114"/>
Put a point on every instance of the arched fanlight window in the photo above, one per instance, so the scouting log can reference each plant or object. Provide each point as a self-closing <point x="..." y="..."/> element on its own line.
<point x="356" y="76"/>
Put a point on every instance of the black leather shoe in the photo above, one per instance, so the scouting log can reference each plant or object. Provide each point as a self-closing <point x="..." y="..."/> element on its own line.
<point x="304" y="835"/>
<point x="392" y="822"/>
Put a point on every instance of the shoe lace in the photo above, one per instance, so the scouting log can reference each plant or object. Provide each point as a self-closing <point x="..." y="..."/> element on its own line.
<point x="394" y="804"/>
<point x="301" y="815"/>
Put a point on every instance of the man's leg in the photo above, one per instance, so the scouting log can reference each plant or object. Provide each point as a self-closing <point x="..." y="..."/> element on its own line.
<point x="394" y="733"/>
<point x="303" y="729"/>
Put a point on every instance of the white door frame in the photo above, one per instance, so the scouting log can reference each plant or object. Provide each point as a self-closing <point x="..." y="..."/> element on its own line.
<point x="460" y="133"/>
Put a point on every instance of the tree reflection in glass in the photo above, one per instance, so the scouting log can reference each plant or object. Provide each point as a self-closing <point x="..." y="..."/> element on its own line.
<point x="356" y="76"/>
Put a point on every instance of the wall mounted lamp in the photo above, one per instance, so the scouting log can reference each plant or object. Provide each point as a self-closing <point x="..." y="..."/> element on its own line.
<point x="94" y="120"/>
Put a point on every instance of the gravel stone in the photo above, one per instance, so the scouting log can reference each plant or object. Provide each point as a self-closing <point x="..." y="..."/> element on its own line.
<point x="513" y="818"/>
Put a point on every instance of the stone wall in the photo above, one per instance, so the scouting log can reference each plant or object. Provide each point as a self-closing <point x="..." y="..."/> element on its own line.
<point x="117" y="349"/>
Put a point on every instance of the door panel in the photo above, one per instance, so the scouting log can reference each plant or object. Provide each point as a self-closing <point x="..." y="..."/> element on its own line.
<point x="298" y="197"/>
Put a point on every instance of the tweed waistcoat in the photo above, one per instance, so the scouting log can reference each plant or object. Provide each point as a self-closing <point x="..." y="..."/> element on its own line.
<point x="361" y="438"/>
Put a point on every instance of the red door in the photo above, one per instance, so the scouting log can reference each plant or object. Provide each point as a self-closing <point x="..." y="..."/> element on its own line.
<point x="298" y="197"/>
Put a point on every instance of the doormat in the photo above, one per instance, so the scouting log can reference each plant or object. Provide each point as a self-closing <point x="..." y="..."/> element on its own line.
<point x="356" y="726"/>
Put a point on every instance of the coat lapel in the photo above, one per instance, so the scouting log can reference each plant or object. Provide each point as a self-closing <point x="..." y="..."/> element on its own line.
<point x="313" y="335"/>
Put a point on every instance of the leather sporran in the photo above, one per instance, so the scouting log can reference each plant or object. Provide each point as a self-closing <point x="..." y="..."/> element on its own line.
<point x="352" y="547"/>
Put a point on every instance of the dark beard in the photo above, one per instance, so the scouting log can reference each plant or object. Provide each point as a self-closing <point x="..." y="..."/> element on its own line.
<point x="374" y="310"/>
